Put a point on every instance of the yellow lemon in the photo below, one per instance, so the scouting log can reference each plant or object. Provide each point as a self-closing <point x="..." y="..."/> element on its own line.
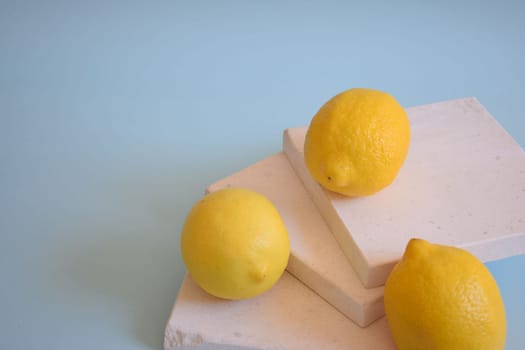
<point x="443" y="298"/>
<point x="235" y="244"/>
<point x="357" y="142"/>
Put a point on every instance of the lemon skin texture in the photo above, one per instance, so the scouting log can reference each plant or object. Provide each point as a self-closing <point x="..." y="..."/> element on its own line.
<point x="357" y="142"/>
<point x="443" y="298"/>
<point x="235" y="244"/>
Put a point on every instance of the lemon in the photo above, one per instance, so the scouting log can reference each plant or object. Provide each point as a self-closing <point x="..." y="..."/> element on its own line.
<point x="235" y="244"/>
<point x="443" y="298"/>
<point x="357" y="142"/>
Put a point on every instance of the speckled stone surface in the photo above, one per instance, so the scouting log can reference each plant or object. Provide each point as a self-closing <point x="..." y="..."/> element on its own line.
<point x="316" y="258"/>
<point x="463" y="184"/>
<point x="289" y="316"/>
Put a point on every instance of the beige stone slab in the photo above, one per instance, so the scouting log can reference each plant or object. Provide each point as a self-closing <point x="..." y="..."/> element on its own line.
<point x="463" y="184"/>
<point x="316" y="258"/>
<point x="289" y="316"/>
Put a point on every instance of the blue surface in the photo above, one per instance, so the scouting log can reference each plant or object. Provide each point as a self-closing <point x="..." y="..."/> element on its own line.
<point x="114" y="116"/>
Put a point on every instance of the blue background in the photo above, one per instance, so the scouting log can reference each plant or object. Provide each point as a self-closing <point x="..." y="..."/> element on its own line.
<point x="114" y="116"/>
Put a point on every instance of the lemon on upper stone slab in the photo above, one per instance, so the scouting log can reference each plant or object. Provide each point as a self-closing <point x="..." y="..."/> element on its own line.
<point x="357" y="142"/>
<point x="235" y="244"/>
